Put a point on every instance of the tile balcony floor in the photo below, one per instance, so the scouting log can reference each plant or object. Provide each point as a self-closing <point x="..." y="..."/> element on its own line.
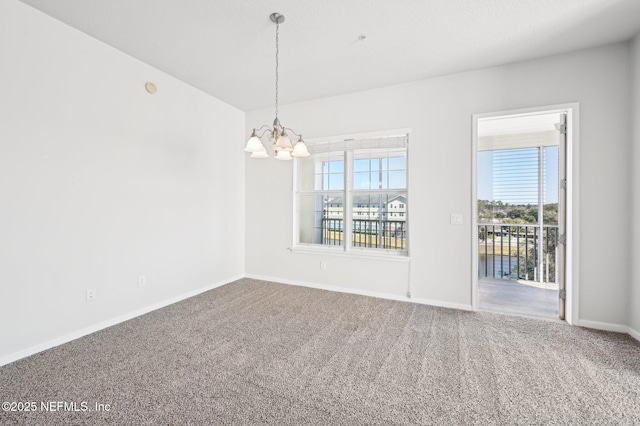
<point x="517" y="298"/>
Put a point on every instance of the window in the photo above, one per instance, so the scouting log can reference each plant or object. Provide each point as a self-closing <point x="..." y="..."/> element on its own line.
<point x="346" y="190"/>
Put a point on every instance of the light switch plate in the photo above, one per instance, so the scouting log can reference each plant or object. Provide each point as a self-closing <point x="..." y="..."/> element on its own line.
<point x="456" y="219"/>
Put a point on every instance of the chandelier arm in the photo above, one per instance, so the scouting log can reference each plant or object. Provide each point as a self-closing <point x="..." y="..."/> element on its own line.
<point x="268" y="129"/>
<point x="262" y="127"/>
<point x="292" y="131"/>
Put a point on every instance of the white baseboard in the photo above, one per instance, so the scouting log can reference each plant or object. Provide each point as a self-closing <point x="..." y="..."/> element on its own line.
<point x="606" y="326"/>
<point x="441" y="304"/>
<point x="339" y="289"/>
<point x="633" y="333"/>
<point x="108" y="323"/>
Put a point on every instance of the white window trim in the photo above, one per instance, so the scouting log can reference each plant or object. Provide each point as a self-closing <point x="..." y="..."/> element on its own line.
<point x="347" y="250"/>
<point x="356" y="253"/>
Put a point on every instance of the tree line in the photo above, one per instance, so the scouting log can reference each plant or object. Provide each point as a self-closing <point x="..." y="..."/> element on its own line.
<point x="499" y="212"/>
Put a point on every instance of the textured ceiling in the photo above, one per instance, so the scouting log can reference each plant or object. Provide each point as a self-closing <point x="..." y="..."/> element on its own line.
<point x="226" y="47"/>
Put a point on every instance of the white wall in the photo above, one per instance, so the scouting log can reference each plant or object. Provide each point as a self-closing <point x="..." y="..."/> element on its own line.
<point x="439" y="111"/>
<point x="101" y="182"/>
<point x="634" y="293"/>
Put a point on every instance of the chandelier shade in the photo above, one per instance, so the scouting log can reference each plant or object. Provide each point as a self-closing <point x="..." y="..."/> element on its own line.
<point x="254" y="144"/>
<point x="283" y="143"/>
<point x="277" y="133"/>
<point x="283" y="155"/>
<point x="260" y="154"/>
<point x="300" y="150"/>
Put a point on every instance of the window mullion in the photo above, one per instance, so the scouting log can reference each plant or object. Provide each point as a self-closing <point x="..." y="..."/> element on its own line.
<point x="320" y="192"/>
<point x="347" y="210"/>
<point x="395" y="191"/>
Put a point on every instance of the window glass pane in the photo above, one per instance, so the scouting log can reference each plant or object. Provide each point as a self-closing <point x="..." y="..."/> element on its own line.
<point x="515" y="176"/>
<point x="508" y="186"/>
<point x="397" y="179"/>
<point x="336" y="181"/>
<point x="397" y="163"/>
<point x="307" y="174"/>
<point x="362" y="180"/>
<point x="361" y="165"/>
<point x="336" y="166"/>
<point x="320" y="220"/>
<point x="379" y="221"/>
<point x="317" y="171"/>
<point x="388" y="168"/>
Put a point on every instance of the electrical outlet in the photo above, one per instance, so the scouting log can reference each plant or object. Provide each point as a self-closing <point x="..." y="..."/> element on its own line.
<point x="142" y="280"/>
<point x="91" y="294"/>
<point x="323" y="265"/>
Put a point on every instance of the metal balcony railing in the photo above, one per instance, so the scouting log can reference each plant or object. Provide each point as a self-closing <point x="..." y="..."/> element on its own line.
<point x="385" y="234"/>
<point x="516" y="252"/>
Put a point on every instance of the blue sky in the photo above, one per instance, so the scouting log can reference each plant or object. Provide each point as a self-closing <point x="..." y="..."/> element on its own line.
<point x="374" y="173"/>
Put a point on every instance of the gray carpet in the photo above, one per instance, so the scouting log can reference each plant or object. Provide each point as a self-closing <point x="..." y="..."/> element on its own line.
<point x="253" y="352"/>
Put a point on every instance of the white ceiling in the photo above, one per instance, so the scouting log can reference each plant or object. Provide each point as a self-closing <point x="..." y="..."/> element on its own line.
<point x="226" y="47"/>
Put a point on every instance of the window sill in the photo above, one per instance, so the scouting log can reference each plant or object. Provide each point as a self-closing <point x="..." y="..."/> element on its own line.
<point x="353" y="253"/>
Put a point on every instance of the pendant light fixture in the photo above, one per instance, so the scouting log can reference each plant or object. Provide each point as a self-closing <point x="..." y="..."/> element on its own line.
<point x="278" y="135"/>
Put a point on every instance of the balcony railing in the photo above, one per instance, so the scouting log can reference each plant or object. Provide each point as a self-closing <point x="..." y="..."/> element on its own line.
<point x="515" y="252"/>
<point x="385" y="234"/>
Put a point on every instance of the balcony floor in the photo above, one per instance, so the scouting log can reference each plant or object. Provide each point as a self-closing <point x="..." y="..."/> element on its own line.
<point x="513" y="297"/>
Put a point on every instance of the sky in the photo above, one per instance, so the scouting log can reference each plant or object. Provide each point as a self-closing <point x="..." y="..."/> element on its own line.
<point x="374" y="173"/>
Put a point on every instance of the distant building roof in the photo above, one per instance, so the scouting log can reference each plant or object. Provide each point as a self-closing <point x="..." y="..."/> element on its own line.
<point x="364" y="199"/>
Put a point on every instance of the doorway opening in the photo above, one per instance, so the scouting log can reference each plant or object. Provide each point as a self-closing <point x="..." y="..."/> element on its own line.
<point x="520" y="213"/>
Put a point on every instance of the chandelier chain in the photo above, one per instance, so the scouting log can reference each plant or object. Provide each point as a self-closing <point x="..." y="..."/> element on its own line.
<point x="277" y="54"/>
<point x="281" y="144"/>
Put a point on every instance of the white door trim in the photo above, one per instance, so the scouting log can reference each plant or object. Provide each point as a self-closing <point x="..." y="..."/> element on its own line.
<point x="572" y="201"/>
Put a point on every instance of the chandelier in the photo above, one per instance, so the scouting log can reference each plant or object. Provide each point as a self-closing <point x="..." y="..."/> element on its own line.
<point x="278" y="136"/>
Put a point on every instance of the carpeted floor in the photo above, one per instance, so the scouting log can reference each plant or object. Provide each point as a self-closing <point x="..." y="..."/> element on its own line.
<point x="253" y="352"/>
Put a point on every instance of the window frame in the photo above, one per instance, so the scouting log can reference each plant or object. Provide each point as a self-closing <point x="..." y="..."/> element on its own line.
<point x="347" y="248"/>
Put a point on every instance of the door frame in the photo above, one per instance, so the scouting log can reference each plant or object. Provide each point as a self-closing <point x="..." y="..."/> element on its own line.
<point x="571" y="202"/>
